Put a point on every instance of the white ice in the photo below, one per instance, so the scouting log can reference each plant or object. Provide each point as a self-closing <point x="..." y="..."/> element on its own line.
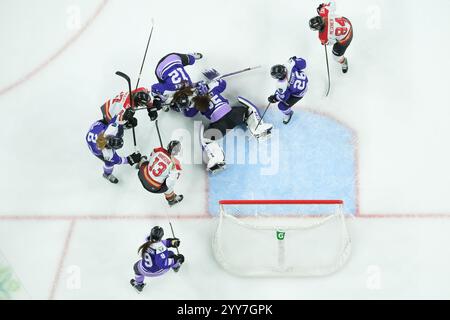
<point x="66" y="234"/>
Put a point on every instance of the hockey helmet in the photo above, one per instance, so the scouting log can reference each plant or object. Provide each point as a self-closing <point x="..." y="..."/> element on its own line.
<point x="278" y="72"/>
<point x="174" y="147"/>
<point x="183" y="101"/>
<point x="317" y="23"/>
<point x="141" y="98"/>
<point x="114" y="142"/>
<point x="156" y="234"/>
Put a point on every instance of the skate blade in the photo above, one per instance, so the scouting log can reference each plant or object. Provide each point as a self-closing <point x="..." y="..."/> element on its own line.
<point x="218" y="170"/>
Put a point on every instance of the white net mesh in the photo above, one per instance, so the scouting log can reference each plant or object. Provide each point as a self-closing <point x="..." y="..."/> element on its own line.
<point x="281" y="239"/>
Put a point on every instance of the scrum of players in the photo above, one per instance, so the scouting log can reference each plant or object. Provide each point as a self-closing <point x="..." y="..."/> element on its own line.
<point x="175" y="91"/>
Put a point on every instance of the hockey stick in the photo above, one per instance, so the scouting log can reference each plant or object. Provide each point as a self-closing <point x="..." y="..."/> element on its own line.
<point x="127" y="78"/>
<point x="173" y="234"/>
<point x="267" y="108"/>
<point x="328" y="70"/>
<point x="145" y="54"/>
<point x="159" y="134"/>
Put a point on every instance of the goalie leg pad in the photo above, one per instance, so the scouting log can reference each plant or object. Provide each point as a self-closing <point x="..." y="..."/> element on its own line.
<point x="254" y="118"/>
<point x="213" y="154"/>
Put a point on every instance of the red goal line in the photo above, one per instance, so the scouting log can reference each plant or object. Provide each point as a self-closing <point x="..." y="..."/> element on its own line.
<point x="237" y="202"/>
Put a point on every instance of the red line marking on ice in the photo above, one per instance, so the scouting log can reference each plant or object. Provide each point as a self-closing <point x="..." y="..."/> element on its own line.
<point x="102" y="217"/>
<point x="61" y="260"/>
<point x="53" y="218"/>
<point x="54" y="56"/>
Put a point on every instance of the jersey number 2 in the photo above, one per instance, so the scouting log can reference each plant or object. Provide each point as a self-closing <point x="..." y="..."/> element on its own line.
<point x="300" y="83"/>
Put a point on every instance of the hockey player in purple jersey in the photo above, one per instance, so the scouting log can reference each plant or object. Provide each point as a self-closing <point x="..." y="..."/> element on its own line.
<point x="103" y="140"/>
<point x="156" y="259"/>
<point x="172" y="75"/>
<point x="292" y="85"/>
<point x="209" y="101"/>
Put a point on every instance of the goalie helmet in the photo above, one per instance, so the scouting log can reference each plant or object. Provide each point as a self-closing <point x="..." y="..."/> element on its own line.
<point x="141" y="98"/>
<point x="174" y="147"/>
<point x="278" y="72"/>
<point x="156" y="234"/>
<point x="114" y="142"/>
<point x="317" y="24"/>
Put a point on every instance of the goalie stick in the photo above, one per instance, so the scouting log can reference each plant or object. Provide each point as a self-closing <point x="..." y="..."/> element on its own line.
<point x="213" y="74"/>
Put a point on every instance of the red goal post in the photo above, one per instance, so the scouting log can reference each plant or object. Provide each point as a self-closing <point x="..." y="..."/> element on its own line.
<point x="259" y="238"/>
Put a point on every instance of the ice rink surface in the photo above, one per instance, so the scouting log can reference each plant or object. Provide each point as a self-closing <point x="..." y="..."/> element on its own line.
<point x="67" y="234"/>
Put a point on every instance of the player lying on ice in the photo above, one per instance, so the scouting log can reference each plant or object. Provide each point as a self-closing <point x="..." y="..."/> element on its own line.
<point x="103" y="140"/>
<point x="172" y="75"/>
<point x="156" y="258"/>
<point x="160" y="173"/>
<point x="292" y="85"/>
<point x="333" y="31"/>
<point x="209" y="101"/>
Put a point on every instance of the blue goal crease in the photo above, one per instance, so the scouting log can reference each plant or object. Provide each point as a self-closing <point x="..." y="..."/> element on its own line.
<point x="311" y="158"/>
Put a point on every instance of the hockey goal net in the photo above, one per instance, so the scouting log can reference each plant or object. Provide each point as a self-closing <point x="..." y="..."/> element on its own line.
<point x="302" y="238"/>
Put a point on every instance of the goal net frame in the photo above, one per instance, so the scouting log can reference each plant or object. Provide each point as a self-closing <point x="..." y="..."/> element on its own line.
<point x="306" y="222"/>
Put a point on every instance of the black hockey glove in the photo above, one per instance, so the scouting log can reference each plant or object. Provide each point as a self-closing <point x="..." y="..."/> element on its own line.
<point x="132" y="123"/>
<point x="153" y="114"/>
<point x="134" y="158"/>
<point x="157" y="103"/>
<point x="129" y="114"/>
<point x="179" y="258"/>
<point x="143" y="160"/>
<point x="272" y="99"/>
<point x="173" y="242"/>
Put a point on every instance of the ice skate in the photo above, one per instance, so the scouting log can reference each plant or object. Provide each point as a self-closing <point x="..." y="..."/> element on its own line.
<point x="217" y="168"/>
<point x="287" y="118"/>
<point x="345" y="66"/>
<point x="175" y="200"/>
<point x="138" y="286"/>
<point x="111" y="178"/>
<point x="176" y="269"/>
<point x="197" y="55"/>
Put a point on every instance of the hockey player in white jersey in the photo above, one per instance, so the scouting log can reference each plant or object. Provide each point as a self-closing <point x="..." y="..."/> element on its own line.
<point x="292" y="85"/>
<point x="336" y="31"/>
<point x="160" y="173"/>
